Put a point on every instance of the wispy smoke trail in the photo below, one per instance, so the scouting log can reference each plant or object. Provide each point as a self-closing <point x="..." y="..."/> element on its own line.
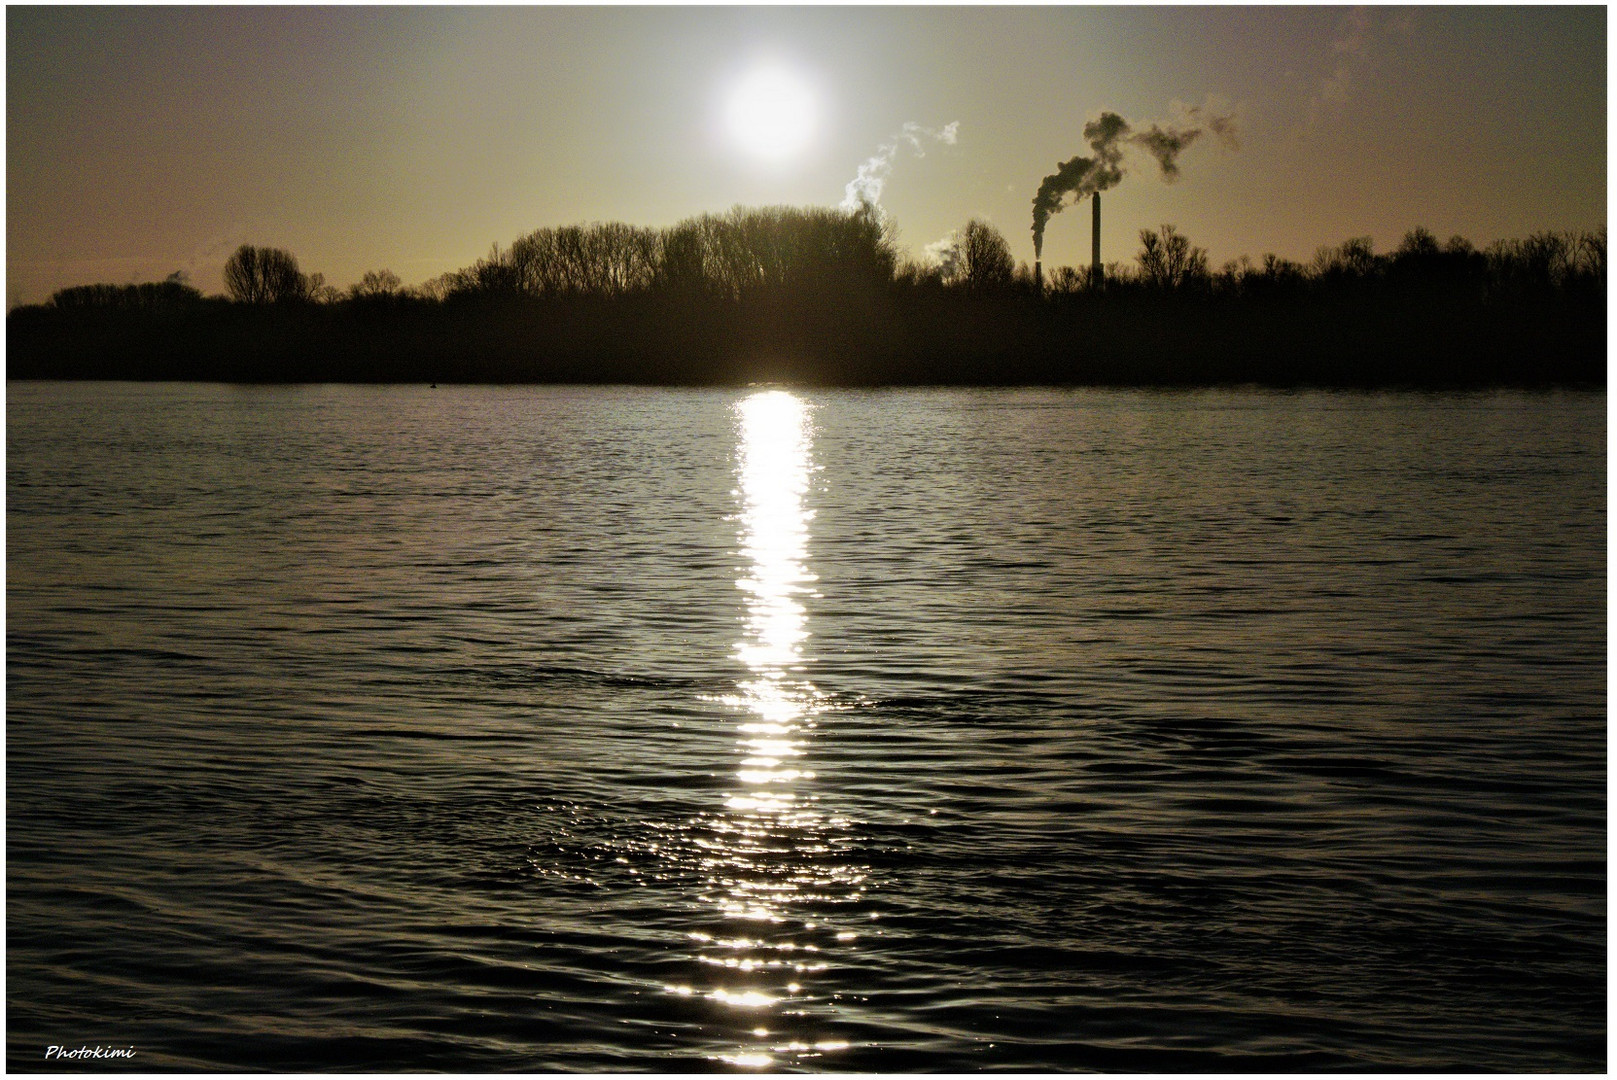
<point x="211" y="253"/>
<point x="1107" y="136"/>
<point x="1352" y="51"/>
<point x="865" y="189"/>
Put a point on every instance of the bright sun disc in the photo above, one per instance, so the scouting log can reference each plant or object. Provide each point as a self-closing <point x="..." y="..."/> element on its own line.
<point x="771" y="113"/>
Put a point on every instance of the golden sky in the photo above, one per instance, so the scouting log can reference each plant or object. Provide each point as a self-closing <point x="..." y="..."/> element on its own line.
<point x="141" y="141"/>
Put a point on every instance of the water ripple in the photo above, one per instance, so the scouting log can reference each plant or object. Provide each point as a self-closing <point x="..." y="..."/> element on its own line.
<point x="520" y="729"/>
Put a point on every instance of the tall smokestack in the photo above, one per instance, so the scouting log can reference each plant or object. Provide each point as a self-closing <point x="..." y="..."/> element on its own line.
<point x="1038" y="275"/>
<point x="1108" y="134"/>
<point x="1096" y="273"/>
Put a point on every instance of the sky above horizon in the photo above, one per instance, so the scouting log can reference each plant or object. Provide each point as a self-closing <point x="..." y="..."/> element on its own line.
<point x="141" y="141"/>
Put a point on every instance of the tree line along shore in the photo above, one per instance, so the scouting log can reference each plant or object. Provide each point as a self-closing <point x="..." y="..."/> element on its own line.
<point x="822" y="297"/>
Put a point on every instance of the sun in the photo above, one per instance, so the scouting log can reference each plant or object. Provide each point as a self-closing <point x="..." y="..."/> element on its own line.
<point x="771" y="113"/>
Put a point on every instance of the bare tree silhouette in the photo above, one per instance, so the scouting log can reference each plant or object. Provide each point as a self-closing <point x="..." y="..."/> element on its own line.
<point x="256" y="275"/>
<point x="374" y="284"/>
<point x="980" y="259"/>
<point x="1168" y="260"/>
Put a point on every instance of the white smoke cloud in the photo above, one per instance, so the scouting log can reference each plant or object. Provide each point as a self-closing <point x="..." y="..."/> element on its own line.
<point x="940" y="252"/>
<point x="866" y="186"/>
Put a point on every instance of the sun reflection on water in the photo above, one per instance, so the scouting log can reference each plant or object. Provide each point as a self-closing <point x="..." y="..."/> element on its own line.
<point x="770" y="861"/>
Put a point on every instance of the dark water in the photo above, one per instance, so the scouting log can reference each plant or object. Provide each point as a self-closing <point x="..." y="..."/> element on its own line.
<point x="525" y="729"/>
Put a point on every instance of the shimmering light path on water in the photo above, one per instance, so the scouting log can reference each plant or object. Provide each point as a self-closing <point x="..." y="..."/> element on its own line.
<point x="776" y="875"/>
<point x="520" y="729"/>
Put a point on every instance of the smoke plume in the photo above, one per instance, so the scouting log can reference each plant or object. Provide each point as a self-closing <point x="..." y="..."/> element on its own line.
<point x="1107" y="136"/>
<point x="866" y="187"/>
<point x="1360" y="38"/>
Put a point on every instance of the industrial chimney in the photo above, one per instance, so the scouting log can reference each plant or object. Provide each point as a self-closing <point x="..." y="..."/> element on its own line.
<point x="1097" y="275"/>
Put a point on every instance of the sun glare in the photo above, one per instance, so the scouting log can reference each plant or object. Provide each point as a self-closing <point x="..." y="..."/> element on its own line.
<point x="771" y="113"/>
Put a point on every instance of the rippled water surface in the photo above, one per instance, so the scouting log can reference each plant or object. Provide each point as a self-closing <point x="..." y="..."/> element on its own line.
<point x="498" y="729"/>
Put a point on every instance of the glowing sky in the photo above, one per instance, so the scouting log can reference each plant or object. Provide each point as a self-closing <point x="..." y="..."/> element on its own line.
<point x="141" y="141"/>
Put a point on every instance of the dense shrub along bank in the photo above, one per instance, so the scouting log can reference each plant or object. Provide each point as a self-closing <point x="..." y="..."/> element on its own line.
<point x="821" y="297"/>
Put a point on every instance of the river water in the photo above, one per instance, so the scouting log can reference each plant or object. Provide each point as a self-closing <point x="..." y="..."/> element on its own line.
<point x="517" y="728"/>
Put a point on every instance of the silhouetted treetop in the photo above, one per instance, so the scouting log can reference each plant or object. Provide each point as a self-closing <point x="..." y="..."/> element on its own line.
<point x="980" y="258"/>
<point x="1168" y="260"/>
<point x="375" y="284"/>
<point x="730" y="254"/>
<point x="817" y="294"/>
<point x="150" y="296"/>
<point x="256" y="275"/>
